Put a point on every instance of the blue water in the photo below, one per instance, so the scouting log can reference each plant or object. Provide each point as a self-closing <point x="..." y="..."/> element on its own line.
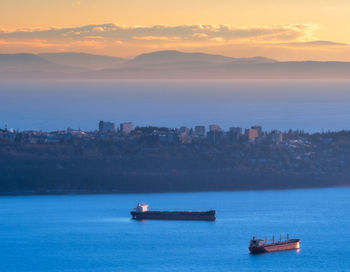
<point x="280" y="104"/>
<point x="95" y="232"/>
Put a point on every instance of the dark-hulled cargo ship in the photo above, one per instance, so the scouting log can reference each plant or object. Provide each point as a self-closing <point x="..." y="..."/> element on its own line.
<point x="141" y="212"/>
<point x="257" y="246"/>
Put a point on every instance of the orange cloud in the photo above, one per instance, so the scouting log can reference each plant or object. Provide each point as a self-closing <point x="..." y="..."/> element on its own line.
<point x="156" y="38"/>
<point x="290" y="41"/>
<point x="301" y="32"/>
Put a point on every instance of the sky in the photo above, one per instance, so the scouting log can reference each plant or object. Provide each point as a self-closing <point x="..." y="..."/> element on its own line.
<point x="280" y="29"/>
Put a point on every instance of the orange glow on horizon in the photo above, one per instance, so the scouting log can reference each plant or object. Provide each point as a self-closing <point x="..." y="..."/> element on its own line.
<point x="284" y="30"/>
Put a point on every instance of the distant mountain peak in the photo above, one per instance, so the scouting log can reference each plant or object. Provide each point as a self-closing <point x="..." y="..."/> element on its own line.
<point x="174" y="56"/>
<point x="164" y="59"/>
<point x="175" y="53"/>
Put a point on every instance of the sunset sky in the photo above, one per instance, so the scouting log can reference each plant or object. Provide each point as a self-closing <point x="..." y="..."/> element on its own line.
<point x="280" y="29"/>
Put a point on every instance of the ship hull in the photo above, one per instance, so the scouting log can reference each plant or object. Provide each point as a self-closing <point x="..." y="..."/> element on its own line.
<point x="281" y="246"/>
<point x="172" y="215"/>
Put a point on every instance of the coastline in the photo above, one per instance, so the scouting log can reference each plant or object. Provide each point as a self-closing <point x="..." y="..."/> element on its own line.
<point x="115" y="192"/>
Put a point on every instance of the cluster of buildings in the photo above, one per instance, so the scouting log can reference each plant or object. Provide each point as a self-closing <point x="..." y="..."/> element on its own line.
<point x="185" y="134"/>
<point x="216" y="134"/>
<point x="40" y="137"/>
<point x="126" y="131"/>
<point x="109" y="127"/>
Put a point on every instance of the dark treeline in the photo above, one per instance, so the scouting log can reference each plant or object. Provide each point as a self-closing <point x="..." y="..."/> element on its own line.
<point x="147" y="164"/>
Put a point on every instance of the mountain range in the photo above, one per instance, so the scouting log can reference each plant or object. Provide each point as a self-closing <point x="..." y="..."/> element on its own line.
<point x="162" y="65"/>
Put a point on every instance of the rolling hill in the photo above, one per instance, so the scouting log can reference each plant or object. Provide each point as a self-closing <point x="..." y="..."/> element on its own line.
<point x="164" y="65"/>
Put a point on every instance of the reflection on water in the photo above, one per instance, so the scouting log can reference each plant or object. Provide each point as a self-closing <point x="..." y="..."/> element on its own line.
<point x="112" y="219"/>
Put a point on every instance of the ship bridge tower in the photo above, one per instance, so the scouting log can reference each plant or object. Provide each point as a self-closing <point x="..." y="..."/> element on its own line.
<point x="255" y="242"/>
<point x="141" y="207"/>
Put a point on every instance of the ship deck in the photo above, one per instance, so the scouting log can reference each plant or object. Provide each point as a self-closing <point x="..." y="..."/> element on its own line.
<point x="175" y="215"/>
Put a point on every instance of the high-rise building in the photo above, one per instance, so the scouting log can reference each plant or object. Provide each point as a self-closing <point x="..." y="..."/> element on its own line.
<point x="215" y="128"/>
<point x="106" y="127"/>
<point x="199" y="131"/>
<point x="252" y="134"/>
<point x="259" y="129"/>
<point x="184" y="130"/>
<point x="234" y="134"/>
<point x="276" y="136"/>
<point x="126" y="128"/>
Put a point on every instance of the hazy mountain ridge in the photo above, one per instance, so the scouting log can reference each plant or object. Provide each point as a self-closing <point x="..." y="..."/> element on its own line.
<point x="172" y="59"/>
<point x="83" y="60"/>
<point x="163" y="65"/>
<point x="31" y="63"/>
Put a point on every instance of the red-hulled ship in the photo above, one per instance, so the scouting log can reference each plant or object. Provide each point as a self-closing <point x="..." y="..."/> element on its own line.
<point x="141" y="212"/>
<point x="260" y="246"/>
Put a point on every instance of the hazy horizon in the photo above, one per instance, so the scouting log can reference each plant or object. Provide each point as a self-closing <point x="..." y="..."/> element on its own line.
<point x="127" y="58"/>
<point x="310" y="105"/>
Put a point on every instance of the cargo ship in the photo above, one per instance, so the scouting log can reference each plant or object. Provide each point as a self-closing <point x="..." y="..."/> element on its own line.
<point x="260" y="246"/>
<point x="141" y="212"/>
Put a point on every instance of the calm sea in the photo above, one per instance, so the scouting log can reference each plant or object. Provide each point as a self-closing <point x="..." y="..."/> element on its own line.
<point x="280" y="104"/>
<point x="95" y="232"/>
